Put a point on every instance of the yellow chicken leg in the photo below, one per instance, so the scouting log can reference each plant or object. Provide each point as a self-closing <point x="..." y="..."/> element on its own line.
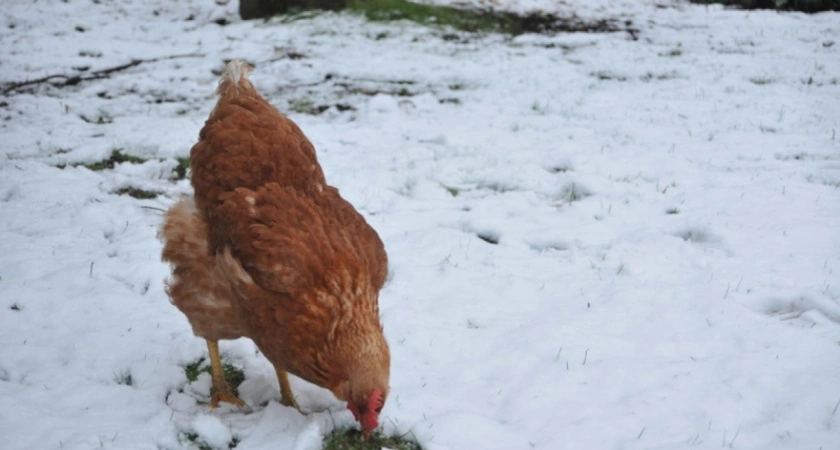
<point x="220" y="391"/>
<point x="286" y="396"/>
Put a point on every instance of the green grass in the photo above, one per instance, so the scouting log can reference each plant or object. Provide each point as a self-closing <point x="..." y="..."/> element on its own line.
<point x="465" y="20"/>
<point x="117" y="157"/>
<point x="234" y="375"/>
<point x="195" y="441"/>
<point x="200" y="445"/>
<point x="496" y="186"/>
<point x="604" y="75"/>
<point x="453" y="191"/>
<point x="476" y="20"/>
<point x="194" y="369"/>
<point x="137" y="193"/>
<point x="352" y="439"/>
<point x="673" y="53"/>
<point x="302" y="106"/>
<point x="181" y="169"/>
<point x="761" y="81"/>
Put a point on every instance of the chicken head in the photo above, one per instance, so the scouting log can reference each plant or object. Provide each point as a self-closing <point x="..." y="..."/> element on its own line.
<point x="367" y="411"/>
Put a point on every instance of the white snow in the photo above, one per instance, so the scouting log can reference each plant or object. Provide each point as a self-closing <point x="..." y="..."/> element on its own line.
<point x="211" y="431"/>
<point x="664" y="210"/>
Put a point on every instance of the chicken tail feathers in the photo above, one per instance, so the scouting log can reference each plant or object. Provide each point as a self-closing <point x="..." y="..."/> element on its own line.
<point x="234" y="77"/>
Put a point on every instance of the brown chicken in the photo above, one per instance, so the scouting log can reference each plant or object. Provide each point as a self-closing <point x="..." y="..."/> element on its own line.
<point x="267" y="250"/>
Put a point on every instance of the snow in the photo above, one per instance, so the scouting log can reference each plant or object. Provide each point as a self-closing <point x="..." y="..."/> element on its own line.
<point x="664" y="212"/>
<point x="211" y="430"/>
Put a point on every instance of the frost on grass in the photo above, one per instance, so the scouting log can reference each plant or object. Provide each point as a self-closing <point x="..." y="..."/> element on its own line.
<point x="825" y="179"/>
<point x="793" y="307"/>
<point x="542" y="245"/>
<point x="498" y="186"/>
<point x="560" y="167"/>
<point x="698" y="235"/>
<point x="570" y="193"/>
<point x="124" y="377"/>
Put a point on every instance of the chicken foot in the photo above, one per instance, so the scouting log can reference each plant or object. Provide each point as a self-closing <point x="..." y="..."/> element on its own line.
<point x="220" y="391"/>
<point x="286" y="396"/>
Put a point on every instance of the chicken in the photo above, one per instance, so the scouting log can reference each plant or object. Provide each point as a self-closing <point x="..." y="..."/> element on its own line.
<point x="265" y="249"/>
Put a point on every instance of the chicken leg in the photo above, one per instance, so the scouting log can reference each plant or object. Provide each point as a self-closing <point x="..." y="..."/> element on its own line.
<point x="220" y="391"/>
<point x="286" y="396"/>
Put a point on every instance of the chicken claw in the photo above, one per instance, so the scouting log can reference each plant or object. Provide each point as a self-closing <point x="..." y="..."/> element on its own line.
<point x="220" y="391"/>
<point x="224" y="395"/>
<point x="287" y="398"/>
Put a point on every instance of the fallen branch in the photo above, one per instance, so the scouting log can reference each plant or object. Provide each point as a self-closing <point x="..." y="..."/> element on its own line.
<point x="72" y="80"/>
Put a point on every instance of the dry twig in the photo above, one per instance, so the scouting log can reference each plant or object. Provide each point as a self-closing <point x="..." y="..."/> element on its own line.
<point x="72" y="80"/>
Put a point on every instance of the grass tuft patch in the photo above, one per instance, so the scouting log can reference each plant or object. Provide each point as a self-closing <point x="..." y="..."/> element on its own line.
<point x="560" y="168"/>
<point x="478" y="20"/>
<point x="673" y="53"/>
<point x="181" y="169"/>
<point x="233" y="375"/>
<point x="124" y="377"/>
<point x="697" y="235"/>
<point x="102" y="119"/>
<point x="650" y="76"/>
<point x="604" y="75"/>
<point x="572" y="192"/>
<point x="199" y="444"/>
<point x="140" y="194"/>
<point x="496" y="186"/>
<point x="464" y="20"/>
<point x="761" y="81"/>
<point x="196" y="441"/>
<point x="302" y="106"/>
<point x="117" y="157"/>
<point x="352" y="439"/>
<point x="194" y="369"/>
<point x="453" y="191"/>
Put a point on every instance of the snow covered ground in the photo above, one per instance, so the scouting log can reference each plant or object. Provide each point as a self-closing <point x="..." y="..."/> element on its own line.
<point x="596" y="242"/>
